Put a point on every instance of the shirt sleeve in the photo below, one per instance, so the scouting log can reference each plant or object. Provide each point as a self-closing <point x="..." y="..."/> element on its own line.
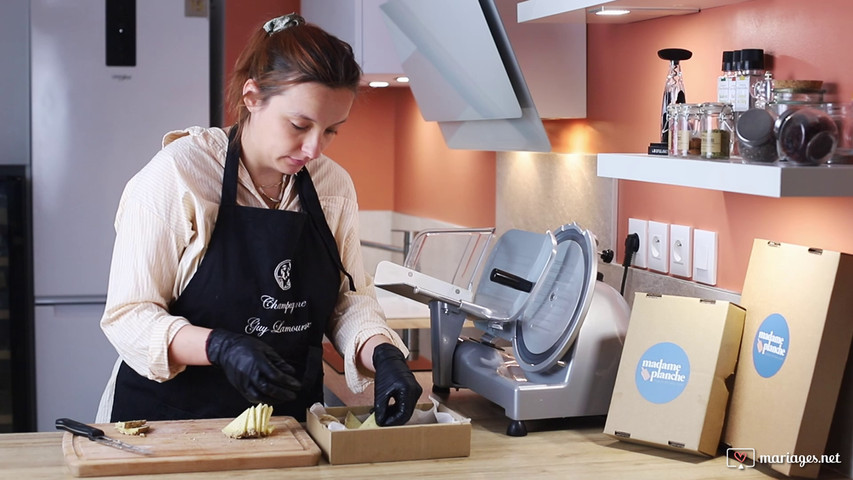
<point x="144" y="266"/>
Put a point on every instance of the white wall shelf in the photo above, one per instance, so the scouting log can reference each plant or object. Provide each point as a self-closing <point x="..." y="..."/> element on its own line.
<point x="768" y="180"/>
<point x="580" y="11"/>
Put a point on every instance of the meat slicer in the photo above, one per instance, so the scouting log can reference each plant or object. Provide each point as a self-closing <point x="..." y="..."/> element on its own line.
<point x="562" y="330"/>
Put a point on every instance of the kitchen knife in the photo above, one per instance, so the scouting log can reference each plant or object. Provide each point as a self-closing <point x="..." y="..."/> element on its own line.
<point x="97" y="435"/>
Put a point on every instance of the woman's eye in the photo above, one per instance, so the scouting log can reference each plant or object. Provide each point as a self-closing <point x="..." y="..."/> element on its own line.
<point x="299" y="127"/>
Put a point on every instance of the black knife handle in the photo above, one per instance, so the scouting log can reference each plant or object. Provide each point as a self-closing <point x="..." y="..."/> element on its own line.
<point x="78" y="428"/>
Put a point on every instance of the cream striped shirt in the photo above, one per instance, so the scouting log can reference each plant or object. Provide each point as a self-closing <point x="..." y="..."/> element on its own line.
<point x="164" y="222"/>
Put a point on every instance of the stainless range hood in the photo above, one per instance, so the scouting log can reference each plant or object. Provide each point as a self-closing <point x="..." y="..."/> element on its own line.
<point x="464" y="74"/>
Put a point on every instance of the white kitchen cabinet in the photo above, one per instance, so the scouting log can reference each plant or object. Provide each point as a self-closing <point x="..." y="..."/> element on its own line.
<point x="73" y="362"/>
<point x="582" y="11"/>
<point x="768" y="180"/>
<point x="361" y="24"/>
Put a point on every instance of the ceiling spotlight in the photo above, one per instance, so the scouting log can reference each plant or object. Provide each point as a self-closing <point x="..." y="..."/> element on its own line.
<point x="611" y="11"/>
<point x="402" y="79"/>
<point x="378" y="84"/>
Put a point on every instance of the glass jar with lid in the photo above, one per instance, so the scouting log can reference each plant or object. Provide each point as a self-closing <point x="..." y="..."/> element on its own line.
<point x="806" y="136"/>
<point x="756" y="138"/>
<point x="672" y="111"/>
<point x="685" y="130"/>
<point x="716" y="130"/>
<point x="842" y="114"/>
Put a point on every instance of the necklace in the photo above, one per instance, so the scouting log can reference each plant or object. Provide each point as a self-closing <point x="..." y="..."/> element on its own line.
<point x="275" y="201"/>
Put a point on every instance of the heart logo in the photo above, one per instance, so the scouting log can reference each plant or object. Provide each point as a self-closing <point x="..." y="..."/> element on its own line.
<point x="740" y="456"/>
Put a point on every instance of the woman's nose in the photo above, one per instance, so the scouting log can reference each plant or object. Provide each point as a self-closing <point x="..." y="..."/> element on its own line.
<point x="312" y="146"/>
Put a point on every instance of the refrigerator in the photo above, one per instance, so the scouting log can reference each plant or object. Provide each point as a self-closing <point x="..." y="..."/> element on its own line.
<point x="16" y="338"/>
<point x="108" y="79"/>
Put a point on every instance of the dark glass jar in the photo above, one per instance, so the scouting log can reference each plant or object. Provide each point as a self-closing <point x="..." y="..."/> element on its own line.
<point x="805" y="136"/>
<point x="755" y="136"/>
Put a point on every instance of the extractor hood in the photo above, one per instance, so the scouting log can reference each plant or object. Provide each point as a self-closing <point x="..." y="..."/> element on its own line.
<point x="464" y="74"/>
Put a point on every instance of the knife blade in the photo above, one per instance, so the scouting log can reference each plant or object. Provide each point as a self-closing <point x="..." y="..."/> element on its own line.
<point x="97" y="435"/>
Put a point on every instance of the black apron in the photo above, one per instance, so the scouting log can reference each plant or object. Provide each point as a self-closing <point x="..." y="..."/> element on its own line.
<point x="272" y="274"/>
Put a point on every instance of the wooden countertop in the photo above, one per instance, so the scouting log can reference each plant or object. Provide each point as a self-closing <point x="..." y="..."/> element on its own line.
<point x="573" y="448"/>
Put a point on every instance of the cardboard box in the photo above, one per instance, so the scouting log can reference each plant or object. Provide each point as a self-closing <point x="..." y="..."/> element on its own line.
<point x="389" y="444"/>
<point x="840" y="440"/>
<point x="671" y="389"/>
<point x="796" y="342"/>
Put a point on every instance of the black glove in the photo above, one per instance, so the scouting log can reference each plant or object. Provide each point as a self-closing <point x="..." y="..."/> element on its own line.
<point x="393" y="380"/>
<point x="252" y="367"/>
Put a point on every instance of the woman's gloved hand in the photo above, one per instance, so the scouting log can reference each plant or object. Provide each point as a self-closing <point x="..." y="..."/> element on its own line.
<point x="394" y="380"/>
<point x="252" y="367"/>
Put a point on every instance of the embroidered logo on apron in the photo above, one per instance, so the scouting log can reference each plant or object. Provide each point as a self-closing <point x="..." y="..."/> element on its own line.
<point x="282" y="275"/>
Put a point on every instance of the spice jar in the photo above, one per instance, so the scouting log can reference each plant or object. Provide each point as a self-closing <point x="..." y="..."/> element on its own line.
<point x="685" y="130"/>
<point x="805" y="136"/>
<point x="755" y="136"/>
<point x="716" y="131"/>
<point x="672" y="111"/>
<point x="842" y="114"/>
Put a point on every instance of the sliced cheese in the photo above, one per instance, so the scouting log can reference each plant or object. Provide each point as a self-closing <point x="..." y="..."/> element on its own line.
<point x="369" y="422"/>
<point x="254" y="422"/>
<point x="132" y="427"/>
<point x="351" y="422"/>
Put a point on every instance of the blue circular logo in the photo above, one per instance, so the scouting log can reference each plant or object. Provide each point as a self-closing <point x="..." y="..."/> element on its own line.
<point x="662" y="372"/>
<point x="770" y="346"/>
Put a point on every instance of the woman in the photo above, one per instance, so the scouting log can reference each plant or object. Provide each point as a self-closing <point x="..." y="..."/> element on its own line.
<point x="237" y="250"/>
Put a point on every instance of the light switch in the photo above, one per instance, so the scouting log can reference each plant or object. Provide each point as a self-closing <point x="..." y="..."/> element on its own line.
<point x="658" y="247"/>
<point x="641" y="228"/>
<point x="680" y="251"/>
<point x="705" y="257"/>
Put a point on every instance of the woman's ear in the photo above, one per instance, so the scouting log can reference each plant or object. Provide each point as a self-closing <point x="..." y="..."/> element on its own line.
<point x="251" y="95"/>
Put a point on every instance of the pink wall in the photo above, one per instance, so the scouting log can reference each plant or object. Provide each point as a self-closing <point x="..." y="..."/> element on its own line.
<point x="807" y="40"/>
<point x="433" y="181"/>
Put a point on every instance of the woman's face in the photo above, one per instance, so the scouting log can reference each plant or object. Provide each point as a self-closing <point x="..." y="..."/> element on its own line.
<point x="291" y="128"/>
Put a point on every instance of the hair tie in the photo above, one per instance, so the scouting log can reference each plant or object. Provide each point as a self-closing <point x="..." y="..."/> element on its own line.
<point x="285" y="21"/>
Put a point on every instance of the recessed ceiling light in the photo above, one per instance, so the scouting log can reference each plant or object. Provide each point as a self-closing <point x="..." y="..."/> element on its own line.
<point x="612" y="11"/>
<point x="378" y="84"/>
<point x="402" y="79"/>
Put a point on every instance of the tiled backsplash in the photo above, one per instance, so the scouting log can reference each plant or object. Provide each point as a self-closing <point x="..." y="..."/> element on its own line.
<point x="542" y="191"/>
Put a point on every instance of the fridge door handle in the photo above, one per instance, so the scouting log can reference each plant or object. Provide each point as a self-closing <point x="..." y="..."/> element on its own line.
<point x="71" y="300"/>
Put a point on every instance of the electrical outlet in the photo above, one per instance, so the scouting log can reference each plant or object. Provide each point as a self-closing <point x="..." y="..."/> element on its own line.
<point x="705" y="257"/>
<point x="680" y="251"/>
<point x="659" y="247"/>
<point x="641" y="228"/>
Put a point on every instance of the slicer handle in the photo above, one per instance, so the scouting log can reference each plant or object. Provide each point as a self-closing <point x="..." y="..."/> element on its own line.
<point x="512" y="281"/>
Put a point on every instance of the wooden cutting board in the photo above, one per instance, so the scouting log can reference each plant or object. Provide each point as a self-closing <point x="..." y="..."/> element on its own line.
<point x="191" y="446"/>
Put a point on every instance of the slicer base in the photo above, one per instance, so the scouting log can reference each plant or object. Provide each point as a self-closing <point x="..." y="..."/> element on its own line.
<point x="565" y="392"/>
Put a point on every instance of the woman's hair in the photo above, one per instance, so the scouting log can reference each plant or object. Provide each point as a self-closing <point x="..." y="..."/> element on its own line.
<point x="290" y="53"/>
